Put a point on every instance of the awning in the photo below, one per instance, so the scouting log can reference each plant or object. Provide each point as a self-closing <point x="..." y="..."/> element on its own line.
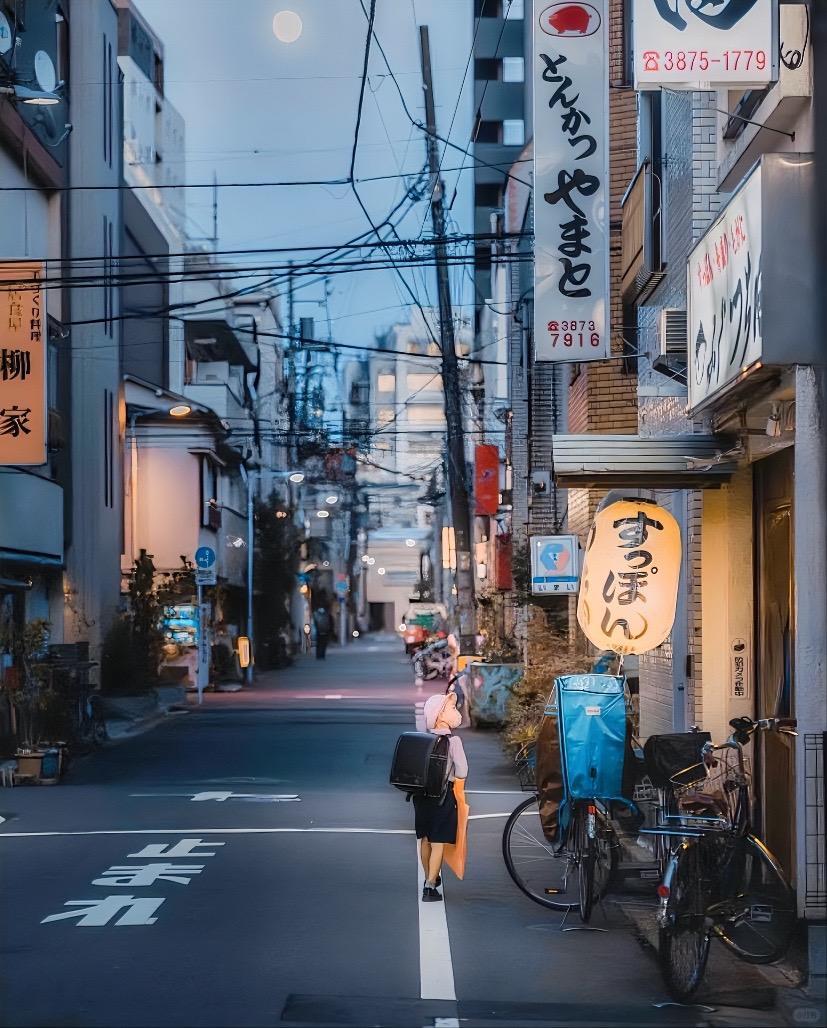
<point x="632" y="461"/>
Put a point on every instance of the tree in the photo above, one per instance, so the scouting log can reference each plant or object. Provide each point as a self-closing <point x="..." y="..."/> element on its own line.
<point x="276" y="564"/>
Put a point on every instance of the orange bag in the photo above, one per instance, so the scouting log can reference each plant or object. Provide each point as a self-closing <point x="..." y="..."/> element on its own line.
<point x="455" y="854"/>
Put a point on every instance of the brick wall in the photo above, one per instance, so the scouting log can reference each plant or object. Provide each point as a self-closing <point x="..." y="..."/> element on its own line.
<point x="690" y="204"/>
<point x="603" y="395"/>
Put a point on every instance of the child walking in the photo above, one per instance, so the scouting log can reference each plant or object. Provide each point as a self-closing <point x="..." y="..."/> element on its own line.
<point x="436" y="821"/>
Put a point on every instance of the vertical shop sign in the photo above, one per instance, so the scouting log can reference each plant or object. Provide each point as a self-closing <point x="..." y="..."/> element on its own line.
<point x="739" y="671"/>
<point x="724" y="289"/>
<point x="705" y="44"/>
<point x="22" y="364"/>
<point x="487" y="479"/>
<point x="571" y="179"/>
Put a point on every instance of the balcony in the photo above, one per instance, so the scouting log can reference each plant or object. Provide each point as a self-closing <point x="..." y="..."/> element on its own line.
<point x="212" y="340"/>
<point x="641" y="265"/>
<point x="31" y="515"/>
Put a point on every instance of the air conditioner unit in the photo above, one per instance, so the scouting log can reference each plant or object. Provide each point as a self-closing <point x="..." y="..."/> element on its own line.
<point x="672" y="332"/>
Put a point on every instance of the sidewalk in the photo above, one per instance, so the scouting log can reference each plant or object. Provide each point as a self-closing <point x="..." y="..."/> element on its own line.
<point x="768" y="995"/>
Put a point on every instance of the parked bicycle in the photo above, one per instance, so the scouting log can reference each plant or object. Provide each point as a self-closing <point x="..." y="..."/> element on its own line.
<point x="721" y="881"/>
<point x="565" y="856"/>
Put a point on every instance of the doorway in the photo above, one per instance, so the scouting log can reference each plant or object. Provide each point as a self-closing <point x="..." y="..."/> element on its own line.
<point x="775" y="617"/>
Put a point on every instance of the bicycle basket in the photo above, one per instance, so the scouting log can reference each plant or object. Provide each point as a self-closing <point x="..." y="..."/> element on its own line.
<point x="710" y="794"/>
<point x="666" y="755"/>
<point x="592" y="723"/>
<point x="525" y="761"/>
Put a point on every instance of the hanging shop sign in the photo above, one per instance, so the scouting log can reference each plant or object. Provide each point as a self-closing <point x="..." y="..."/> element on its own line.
<point x="23" y="403"/>
<point x="629" y="583"/>
<point x="705" y="44"/>
<point x="724" y="283"/>
<point x="571" y="177"/>
<point x="747" y="312"/>
<point x="555" y="564"/>
<point x="487" y="479"/>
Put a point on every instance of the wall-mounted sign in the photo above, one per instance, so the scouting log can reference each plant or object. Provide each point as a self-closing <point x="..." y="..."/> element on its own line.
<point x="739" y="680"/>
<point x="705" y="44"/>
<point x="555" y="564"/>
<point x="571" y="178"/>
<point x="724" y="290"/>
<point x="23" y="404"/>
<point x="629" y="583"/>
<point x="486" y="479"/>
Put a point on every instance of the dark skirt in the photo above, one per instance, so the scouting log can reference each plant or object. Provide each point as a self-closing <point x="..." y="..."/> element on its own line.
<point x="436" y="821"/>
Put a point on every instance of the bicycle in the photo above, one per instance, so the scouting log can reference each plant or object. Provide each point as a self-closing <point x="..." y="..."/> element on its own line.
<point x="721" y="881"/>
<point x="559" y="871"/>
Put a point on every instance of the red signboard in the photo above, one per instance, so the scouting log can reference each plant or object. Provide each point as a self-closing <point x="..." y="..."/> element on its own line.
<point x="503" y="577"/>
<point x="487" y="479"/>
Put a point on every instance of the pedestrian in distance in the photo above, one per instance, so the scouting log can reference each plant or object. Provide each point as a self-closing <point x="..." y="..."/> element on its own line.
<point x="323" y="624"/>
<point x="437" y="819"/>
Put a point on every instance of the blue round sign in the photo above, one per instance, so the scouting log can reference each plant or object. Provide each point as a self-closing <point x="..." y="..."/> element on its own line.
<point x="205" y="557"/>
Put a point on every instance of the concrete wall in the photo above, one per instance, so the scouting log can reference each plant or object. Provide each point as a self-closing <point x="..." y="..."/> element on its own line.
<point x="93" y="555"/>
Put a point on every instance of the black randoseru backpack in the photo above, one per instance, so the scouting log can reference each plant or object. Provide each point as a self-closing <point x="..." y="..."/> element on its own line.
<point x="420" y="764"/>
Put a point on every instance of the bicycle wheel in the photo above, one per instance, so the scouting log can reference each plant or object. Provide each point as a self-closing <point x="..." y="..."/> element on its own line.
<point x="585" y="831"/>
<point x="758" y="922"/>
<point x="683" y="944"/>
<point x="542" y="870"/>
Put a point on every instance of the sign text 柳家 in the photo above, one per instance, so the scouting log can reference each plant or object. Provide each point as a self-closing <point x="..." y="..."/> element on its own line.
<point x="22" y="364"/>
<point x="724" y="290"/>
<point x="571" y="180"/>
<point x="705" y="44"/>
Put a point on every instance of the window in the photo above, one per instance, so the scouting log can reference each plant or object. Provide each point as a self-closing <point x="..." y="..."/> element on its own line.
<point x="513" y="132"/>
<point x="384" y="416"/>
<point x="487" y="8"/>
<point x="108" y="448"/>
<point x="423" y="380"/>
<point x="487" y="69"/>
<point x="514" y="10"/>
<point x="513" y="69"/>
<point x="386" y="382"/>
<point x="210" y="512"/>
<point x="488" y="194"/>
<point x="488" y="132"/>
<point x="426" y="413"/>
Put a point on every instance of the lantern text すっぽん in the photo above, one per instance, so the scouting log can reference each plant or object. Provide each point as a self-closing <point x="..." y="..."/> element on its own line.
<point x="629" y="581"/>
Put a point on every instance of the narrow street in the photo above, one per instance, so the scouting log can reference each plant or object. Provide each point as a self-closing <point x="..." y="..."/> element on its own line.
<point x="292" y="884"/>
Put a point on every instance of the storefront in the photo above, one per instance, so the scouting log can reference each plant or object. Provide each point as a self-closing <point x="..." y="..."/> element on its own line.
<point x="753" y="354"/>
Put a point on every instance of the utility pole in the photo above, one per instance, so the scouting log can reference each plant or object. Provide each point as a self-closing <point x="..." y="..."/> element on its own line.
<point x="457" y="484"/>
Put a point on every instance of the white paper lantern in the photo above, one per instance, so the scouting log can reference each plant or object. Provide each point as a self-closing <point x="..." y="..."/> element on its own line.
<point x="629" y="582"/>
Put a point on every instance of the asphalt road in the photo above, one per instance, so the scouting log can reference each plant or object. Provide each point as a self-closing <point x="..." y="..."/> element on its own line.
<point x="246" y="863"/>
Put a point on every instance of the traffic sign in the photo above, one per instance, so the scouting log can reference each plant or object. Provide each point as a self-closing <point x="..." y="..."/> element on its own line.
<point x="341" y="587"/>
<point x="206" y="576"/>
<point x="205" y="556"/>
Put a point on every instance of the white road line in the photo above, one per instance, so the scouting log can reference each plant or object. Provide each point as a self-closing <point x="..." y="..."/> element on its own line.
<point x="210" y="831"/>
<point x="478" y="817"/>
<point x="436" y="972"/>
<point x="494" y="792"/>
<point x="333" y="696"/>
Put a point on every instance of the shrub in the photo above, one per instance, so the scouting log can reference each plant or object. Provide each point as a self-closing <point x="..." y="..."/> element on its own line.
<point x="555" y="654"/>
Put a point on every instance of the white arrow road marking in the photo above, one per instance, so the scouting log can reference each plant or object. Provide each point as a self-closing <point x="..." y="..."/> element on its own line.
<point x="222" y="795"/>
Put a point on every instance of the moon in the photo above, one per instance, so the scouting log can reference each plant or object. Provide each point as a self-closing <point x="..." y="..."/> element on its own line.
<point x="287" y="26"/>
